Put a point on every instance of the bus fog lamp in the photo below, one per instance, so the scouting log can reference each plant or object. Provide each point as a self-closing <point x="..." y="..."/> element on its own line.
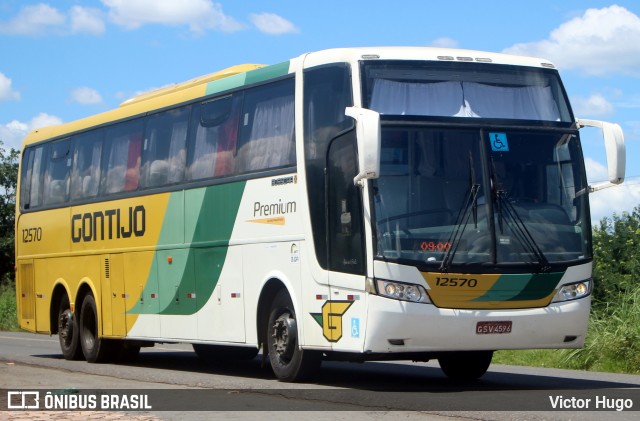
<point x="573" y="291"/>
<point x="402" y="291"/>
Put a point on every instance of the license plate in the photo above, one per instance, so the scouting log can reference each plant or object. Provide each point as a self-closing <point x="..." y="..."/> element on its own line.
<point x="487" y="328"/>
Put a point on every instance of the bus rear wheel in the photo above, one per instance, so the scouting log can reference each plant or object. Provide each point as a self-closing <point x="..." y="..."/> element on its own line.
<point x="94" y="348"/>
<point x="68" y="331"/>
<point x="289" y="362"/>
<point x="465" y="366"/>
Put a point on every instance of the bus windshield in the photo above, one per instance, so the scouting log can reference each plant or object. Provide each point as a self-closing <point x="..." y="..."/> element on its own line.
<point x="459" y="196"/>
<point x="464" y="90"/>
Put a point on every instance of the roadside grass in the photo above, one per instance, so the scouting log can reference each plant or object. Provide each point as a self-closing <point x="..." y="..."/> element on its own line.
<point x="548" y="358"/>
<point x="612" y="344"/>
<point x="8" y="317"/>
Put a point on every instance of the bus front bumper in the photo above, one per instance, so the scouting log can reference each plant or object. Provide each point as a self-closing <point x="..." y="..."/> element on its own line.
<point x="399" y="326"/>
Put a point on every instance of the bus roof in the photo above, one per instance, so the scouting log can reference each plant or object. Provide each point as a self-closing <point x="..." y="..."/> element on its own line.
<point x="420" y="53"/>
<point x="248" y="73"/>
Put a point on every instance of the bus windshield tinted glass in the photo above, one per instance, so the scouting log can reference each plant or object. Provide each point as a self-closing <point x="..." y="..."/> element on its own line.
<point x="471" y="90"/>
<point x="451" y="197"/>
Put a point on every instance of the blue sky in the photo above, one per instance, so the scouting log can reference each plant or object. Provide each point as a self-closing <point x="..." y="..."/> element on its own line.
<point x="66" y="59"/>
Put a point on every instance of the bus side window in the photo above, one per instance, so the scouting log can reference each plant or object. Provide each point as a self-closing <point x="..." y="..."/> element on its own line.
<point x="213" y="138"/>
<point x="26" y="170"/>
<point x="121" y="157"/>
<point x="327" y="92"/>
<point x="35" y="193"/>
<point x="267" y="135"/>
<point x="85" y="175"/>
<point x="56" y="179"/>
<point x="346" y="242"/>
<point x="164" y="151"/>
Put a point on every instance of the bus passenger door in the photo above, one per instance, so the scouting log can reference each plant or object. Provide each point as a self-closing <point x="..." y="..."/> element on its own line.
<point x="347" y="264"/>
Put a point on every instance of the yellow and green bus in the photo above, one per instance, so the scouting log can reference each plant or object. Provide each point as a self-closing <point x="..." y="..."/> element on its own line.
<point x="353" y="204"/>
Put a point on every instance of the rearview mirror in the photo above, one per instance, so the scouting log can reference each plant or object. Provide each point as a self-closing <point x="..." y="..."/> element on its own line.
<point x="615" y="150"/>
<point x="368" y="135"/>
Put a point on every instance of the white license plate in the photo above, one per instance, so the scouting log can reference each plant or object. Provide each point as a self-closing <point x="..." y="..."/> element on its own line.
<point x="490" y="328"/>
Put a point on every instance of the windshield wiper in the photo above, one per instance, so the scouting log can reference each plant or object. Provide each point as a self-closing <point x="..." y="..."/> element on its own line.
<point x="522" y="234"/>
<point x="468" y="209"/>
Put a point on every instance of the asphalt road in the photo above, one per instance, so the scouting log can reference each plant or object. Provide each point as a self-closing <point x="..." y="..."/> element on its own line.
<point x="246" y="390"/>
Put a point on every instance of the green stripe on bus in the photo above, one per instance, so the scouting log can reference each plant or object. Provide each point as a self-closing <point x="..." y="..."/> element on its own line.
<point x="539" y="286"/>
<point x="268" y="72"/>
<point x="186" y="281"/>
<point x="520" y="287"/>
<point x="226" y="83"/>
<point x="253" y="76"/>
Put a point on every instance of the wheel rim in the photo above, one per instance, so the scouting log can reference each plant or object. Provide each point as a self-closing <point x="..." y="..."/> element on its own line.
<point x="284" y="334"/>
<point x="65" y="327"/>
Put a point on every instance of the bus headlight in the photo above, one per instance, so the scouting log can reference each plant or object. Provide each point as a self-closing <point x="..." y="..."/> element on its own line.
<point x="401" y="291"/>
<point x="573" y="291"/>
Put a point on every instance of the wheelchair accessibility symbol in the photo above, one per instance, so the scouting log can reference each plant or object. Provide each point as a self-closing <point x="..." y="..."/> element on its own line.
<point x="355" y="328"/>
<point x="499" y="142"/>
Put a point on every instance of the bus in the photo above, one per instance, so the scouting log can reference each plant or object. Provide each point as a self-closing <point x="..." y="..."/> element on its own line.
<point x="349" y="204"/>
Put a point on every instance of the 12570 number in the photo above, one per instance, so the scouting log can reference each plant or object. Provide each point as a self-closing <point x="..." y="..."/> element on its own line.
<point x="456" y="282"/>
<point x="29" y="235"/>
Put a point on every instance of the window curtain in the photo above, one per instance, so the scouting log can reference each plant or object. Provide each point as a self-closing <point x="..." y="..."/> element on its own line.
<point x="464" y="99"/>
<point x="270" y="143"/>
<point x="178" y="151"/>
<point x="402" y="98"/>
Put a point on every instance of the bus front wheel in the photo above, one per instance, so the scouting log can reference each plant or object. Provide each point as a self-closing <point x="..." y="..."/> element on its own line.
<point x="289" y="362"/>
<point x="467" y="365"/>
<point x="68" y="331"/>
<point x="94" y="348"/>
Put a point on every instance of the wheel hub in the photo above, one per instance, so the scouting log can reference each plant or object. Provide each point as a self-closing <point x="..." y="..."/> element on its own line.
<point x="284" y="336"/>
<point x="65" y="325"/>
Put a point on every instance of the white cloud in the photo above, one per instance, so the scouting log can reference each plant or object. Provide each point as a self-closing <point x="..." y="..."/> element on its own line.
<point x="6" y="91"/>
<point x="43" y="120"/>
<point x="272" y="24"/>
<point x="600" y="41"/>
<point x="86" y="96"/>
<point x="43" y="19"/>
<point x="616" y="199"/>
<point x="34" y="19"/>
<point x="13" y="132"/>
<point x="198" y="15"/>
<point x="444" y="42"/>
<point x="595" y="170"/>
<point x="594" y="106"/>
<point x="86" y="20"/>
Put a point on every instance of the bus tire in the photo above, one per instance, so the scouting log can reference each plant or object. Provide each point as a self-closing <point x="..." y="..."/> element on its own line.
<point x="68" y="331"/>
<point x="215" y="353"/>
<point x="94" y="348"/>
<point x="465" y="366"/>
<point x="289" y="362"/>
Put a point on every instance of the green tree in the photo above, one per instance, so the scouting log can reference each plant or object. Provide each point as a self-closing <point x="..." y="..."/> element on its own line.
<point x="616" y="246"/>
<point x="8" y="181"/>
